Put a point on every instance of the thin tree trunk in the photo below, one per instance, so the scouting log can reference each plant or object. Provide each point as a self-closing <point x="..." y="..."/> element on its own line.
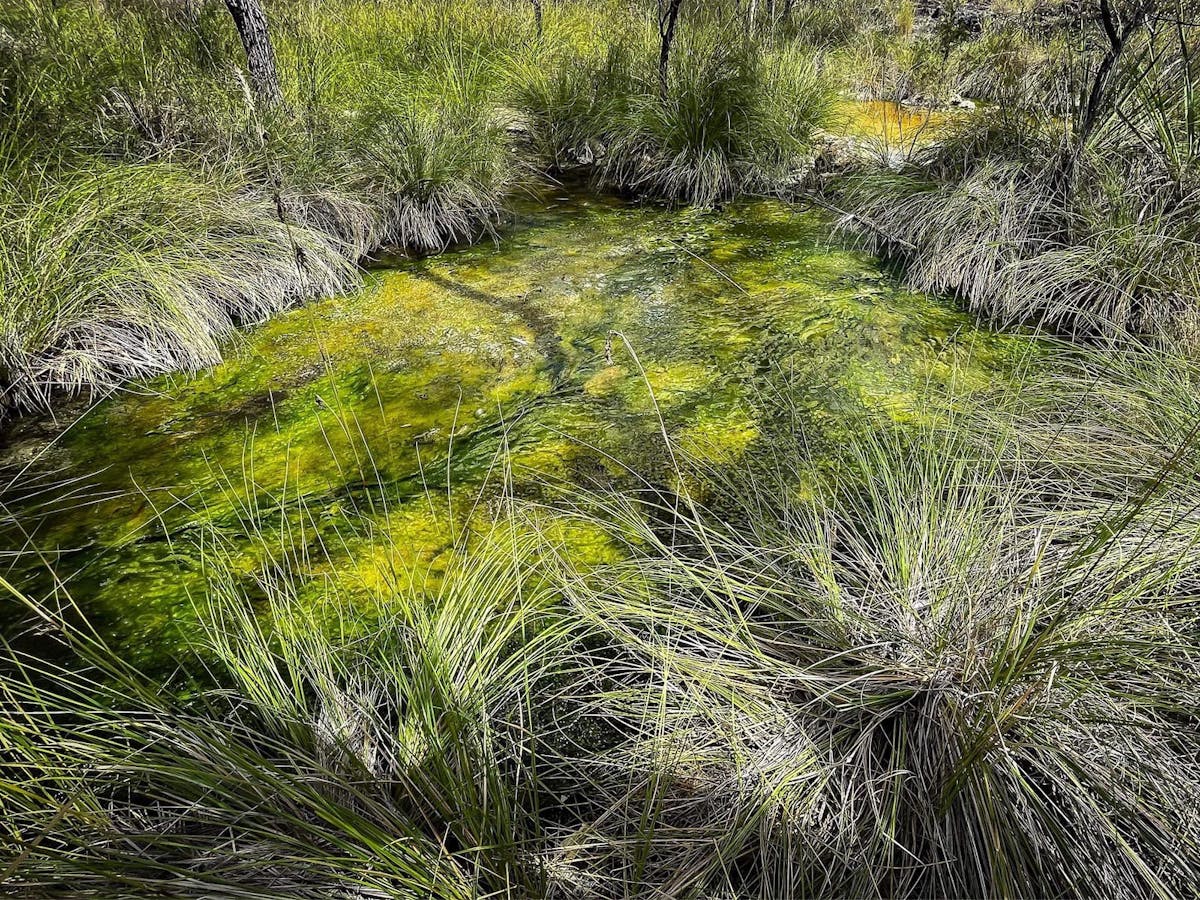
<point x="7" y="399"/>
<point x="666" y="28"/>
<point x="251" y="21"/>
<point x="537" y="16"/>
<point x="1118" y="39"/>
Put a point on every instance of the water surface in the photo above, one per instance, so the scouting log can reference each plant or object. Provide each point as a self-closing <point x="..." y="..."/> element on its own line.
<point x="560" y="355"/>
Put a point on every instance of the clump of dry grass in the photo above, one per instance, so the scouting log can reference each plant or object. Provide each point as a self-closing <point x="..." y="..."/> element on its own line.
<point x="930" y="680"/>
<point x="1084" y="222"/>
<point x="110" y="272"/>
<point x="958" y="663"/>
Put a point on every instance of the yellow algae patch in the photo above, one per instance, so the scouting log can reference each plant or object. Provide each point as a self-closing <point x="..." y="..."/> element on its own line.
<point x="605" y="382"/>
<point x="407" y="549"/>
<point x="580" y="543"/>
<point x="669" y="383"/>
<point x="677" y="378"/>
<point x="962" y="375"/>
<point x="717" y="439"/>
<point x="576" y="306"/>
<point x="880" y="391"/>
<point x="890" y="121"/>
<point x="546" y="458"/>
<point x="728" y="251"/>
<point x="423" y="543"/>
<point x="517" y="384"/>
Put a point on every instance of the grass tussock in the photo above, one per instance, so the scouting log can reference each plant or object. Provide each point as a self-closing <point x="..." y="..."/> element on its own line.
<point x="926" y="681"/>
<point x="149" y="269"/>
<point x="739" y="116"/>
<point x="959" y="663"/>
<point x="998" y="235"/>
<point x="1083" y="219"/>
<point x="737" y="120"/>
<point x="395" y="761"/>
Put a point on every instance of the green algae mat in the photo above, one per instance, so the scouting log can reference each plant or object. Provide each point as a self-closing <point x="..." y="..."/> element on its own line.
<point x="366" y="438"/>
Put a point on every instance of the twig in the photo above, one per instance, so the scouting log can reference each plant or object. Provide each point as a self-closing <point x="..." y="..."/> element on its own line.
<point x="710" y="265"/>
<point x="861" y="219"/>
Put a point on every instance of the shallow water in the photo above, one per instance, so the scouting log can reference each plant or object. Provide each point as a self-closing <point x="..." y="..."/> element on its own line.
<point x="558" y="356"/>
<point x="886" y="127"/>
